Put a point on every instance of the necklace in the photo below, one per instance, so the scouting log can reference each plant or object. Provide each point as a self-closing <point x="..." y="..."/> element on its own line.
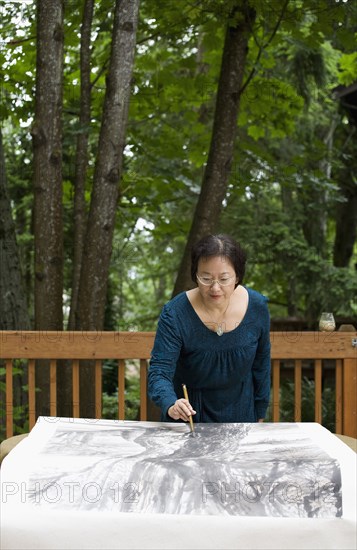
<point x="219" y="330"/>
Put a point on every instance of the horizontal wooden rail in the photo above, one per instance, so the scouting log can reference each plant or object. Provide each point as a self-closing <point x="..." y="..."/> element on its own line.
<point x="290" y="351"/>
<point x="313" y="345"/>
<point x="129" y="345"/>
<point x="75" y="345"/>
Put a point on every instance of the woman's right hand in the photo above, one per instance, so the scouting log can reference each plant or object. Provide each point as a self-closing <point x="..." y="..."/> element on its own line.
<point x="181" y="410"/>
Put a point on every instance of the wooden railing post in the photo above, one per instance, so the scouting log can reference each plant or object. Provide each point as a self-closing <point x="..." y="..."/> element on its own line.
<point x="349" y="387"/>
<point x="350" y="397"/>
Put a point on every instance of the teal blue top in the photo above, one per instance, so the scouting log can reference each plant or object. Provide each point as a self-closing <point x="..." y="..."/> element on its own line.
<point x="227" y="377"/>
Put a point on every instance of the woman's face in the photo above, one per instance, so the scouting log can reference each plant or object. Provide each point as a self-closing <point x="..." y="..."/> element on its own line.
<point x="216" y="268"/>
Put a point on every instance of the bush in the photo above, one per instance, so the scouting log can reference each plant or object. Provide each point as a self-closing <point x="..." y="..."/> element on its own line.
<point x="132" y="401"/>
<point x="287" y="403"/>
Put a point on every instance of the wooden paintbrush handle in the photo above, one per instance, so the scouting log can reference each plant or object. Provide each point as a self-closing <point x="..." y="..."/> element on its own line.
<point x="185" y="394"/>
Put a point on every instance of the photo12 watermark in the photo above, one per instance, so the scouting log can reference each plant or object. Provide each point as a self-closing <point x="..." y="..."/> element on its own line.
<point x="70" y="492"/>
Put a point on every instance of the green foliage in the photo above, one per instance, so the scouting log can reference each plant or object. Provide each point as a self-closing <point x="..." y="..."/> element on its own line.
<point x="132" y="401"/>
<point x="348" y="68"/>
<point x="20" y="412"/>
<point x="286" y="174"/>
<point x="287" y="403"/>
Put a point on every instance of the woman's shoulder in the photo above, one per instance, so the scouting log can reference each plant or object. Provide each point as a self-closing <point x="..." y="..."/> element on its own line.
<point x="256" y="298"/>
<point x="175" y="312"/>
<point x="176" y="304"/>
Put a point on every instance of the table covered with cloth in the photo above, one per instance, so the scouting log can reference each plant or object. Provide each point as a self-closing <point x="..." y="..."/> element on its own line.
<point x="103" y="484"/>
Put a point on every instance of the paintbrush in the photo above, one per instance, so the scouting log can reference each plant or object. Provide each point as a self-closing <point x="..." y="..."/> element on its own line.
<point x="190" y="418"/>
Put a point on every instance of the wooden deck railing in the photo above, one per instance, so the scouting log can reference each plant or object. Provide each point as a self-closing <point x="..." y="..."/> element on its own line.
<point x="292" y="348"/>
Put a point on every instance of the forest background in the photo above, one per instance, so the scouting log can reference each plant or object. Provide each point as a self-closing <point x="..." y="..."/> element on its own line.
<point x="129" y="131"/>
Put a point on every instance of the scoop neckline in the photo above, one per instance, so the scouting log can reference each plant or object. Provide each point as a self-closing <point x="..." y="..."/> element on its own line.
<point x="213" y="331"/>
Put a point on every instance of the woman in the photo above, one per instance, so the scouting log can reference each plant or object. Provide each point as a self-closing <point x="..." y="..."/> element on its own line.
<point x="215" y="339"/>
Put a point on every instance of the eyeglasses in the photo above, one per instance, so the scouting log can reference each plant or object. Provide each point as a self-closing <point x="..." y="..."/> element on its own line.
<point x="207" y="281"/>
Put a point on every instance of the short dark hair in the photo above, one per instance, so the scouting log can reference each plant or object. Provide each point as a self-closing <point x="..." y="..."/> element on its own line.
<point x="219" y="245"/>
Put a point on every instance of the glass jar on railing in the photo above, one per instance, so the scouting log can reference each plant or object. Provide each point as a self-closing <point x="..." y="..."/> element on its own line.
<point x="327" y="322"/>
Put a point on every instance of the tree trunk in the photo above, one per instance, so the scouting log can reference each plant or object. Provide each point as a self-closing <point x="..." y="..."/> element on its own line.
<point x="101" y="220"/>
<point x="64" y="373"/>
<point x="215" y="178"/>
<point x="346" y="223"/>
<point x="13" y="304"/>
<point x="81" y="162"/>
<point x="314" y="225"/>
<point x="346" y="212"/>
<point x="47" y="144"/>
<point x="288" y="206"/>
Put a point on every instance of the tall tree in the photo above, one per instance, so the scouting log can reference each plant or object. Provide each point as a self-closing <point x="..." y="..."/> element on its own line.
<point x="81" y="161"/>
<point x="104" y="199"/>
<point x="13" y="304"/>
<point x="64" y="374"/>
<point x="215" y="178"/>
<point x="346" y="217"/>
<point x="346" y="211"/>
<point x="47" y="145"/>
